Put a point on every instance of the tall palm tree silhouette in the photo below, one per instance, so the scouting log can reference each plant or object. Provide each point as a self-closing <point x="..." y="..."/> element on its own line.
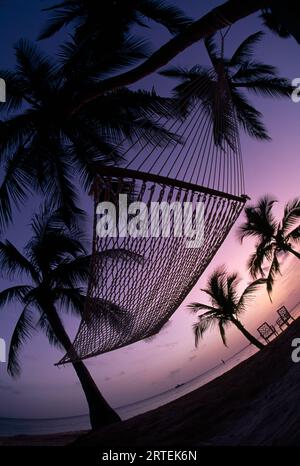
<point x="43" y="149"/>
<point x="274" y="237"/>
<point x="56" y="267"/>
<point x="221" y="88"/>
<point x="225" y="305"/>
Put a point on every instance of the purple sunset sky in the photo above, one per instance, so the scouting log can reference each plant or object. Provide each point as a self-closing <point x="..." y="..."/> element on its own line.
<point x="147" y="368"/>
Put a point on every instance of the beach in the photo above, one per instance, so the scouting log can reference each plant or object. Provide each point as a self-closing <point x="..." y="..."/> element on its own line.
<point x="255" y="403"/>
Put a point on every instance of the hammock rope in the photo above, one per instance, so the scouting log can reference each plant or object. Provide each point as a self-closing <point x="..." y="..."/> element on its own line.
<point x="136" y="284"/>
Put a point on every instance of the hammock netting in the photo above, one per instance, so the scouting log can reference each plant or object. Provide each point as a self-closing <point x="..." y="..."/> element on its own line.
<point x="136" y="284"/>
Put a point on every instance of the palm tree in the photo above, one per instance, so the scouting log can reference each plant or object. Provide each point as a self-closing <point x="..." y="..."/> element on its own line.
<point x="274" y="237"/>
<point x="218" y="18"/>
<point x="94" y="19"/>
<point x="43" y="149"/>
<point x="221" y="88"/>
<point x="226" y="305"/>
<point x="282" y="18"/>
<point x="56" y="266"/>
<point x="113" y="23"/>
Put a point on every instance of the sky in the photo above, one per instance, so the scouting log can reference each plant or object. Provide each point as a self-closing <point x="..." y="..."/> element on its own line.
<point x="148" y="368"/>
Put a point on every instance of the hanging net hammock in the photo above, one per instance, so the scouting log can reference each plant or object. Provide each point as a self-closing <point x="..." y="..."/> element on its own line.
<point x="137" y="283"/>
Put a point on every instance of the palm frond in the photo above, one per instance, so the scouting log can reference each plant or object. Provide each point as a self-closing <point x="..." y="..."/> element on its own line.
<point x="180" y="72"/>
<point x="222" y="332"/>
<point x="120" y="254"/>
<point x="249" y="293"/>
<point x="13" y="263"/>
<point x="294" y="235"/>
<point x="170" y="16"/>
<point x="274" y="24"/>
<point x="273" y="271"/>
<point x="217" y="288"/>
<point x="16" y="185"/>
<point x="52" y="221"/>
<point x="263" y="251"/>
<point x="64" y="14"/>
<point x="52" y="241"/>
<point x="212" y="49"/>
<point x="135" y="104"/>
<point x="125" y="114"/>
<point x="260" y="221"/>
<point x="44" y="325"/>
<point x="204" y="85"/>
<point x="197" y="83"/>
<point x="14" y="293"/>
<point x="253" y="70"/>
<point x="195" y="307"/>
<point x="200" y="327"/>
<point x="291" y="215"/>
<point x="233" y="280"/>
<point x="71" y="299"/>
<point x="15" y="134"/>
<point x="71" y="272"/>
<point x="240" y="72"/>
<point x="267" y="86"/>
<point x="54" y="172"/>
<point x="82" y="61"/>
<point x="114" y="315"/>
<point x="92" y="17"/>
<point x="92" y="147"/>
<point x="248" y="117"/>
<point x="38" y="70"/>
<point x="23" y="331"/>
<point x="16" y="88"/>
<point x="245" y="50"/>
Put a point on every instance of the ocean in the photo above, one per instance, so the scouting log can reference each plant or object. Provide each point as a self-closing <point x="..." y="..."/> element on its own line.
<point x="10" y="426"/>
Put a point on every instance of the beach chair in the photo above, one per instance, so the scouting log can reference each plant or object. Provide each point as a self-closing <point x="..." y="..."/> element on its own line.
<point x="284" y="317"/>
<point x="266" y="331"/>
<point x="280" y="323"/>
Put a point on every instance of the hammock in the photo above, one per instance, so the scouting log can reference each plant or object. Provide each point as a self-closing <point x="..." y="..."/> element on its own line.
<point x="136" y="284"/>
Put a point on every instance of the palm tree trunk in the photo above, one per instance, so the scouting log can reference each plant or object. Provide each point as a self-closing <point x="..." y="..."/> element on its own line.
<point x="220" y="17"/>
<point x="295" y="253"/>
<point x="246" y="334"/>
<point x="101" y="414"/>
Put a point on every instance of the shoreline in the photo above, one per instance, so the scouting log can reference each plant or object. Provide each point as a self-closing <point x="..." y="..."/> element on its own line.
<point x="254" y="403"/>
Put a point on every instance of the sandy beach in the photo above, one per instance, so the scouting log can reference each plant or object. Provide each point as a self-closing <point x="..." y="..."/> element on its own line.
<point x="256" y="403"/>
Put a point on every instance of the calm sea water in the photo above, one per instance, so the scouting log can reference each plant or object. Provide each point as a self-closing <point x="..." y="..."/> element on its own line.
<point x="9" y="427"/>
